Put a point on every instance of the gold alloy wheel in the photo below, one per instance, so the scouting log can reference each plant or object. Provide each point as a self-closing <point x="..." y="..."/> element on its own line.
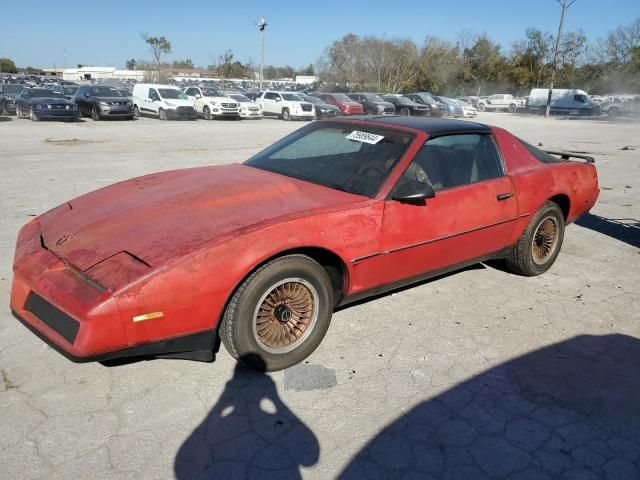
<point x="285" y="316"/>
<point x="545" y="240"/>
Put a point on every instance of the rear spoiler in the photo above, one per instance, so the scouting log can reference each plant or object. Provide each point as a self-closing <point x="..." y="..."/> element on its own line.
<point x="568" y="155"/>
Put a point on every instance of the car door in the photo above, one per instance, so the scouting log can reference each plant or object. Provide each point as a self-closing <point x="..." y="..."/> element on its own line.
<point x="471" y="216"/>
<point x="152" y="102"/>
<point x="267" y="102"/>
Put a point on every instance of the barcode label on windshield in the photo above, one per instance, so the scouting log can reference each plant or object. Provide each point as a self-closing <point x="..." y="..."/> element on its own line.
<point x="365" y="137"/>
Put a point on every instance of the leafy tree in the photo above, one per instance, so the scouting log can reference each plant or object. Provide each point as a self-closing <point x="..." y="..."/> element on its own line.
<point x="131" y="64"/>
<point x="158" y="46"/>
<point x="7" y="65"/>
<point x="186" y="63"/>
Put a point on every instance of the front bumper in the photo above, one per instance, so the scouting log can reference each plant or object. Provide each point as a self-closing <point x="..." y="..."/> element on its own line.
<point x="75" y="315"/>
<point x="10" y="108"/>
<point x="51" y="113"/>
<point x="182" y="112"/>
<point x="115" y="111"/>
<point x="256" y="114"/>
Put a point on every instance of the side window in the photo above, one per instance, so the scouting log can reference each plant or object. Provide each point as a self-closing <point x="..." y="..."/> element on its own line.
<point x="579" y="98"/>
<point x="190" y="91"/>
<point x="454" y="160"/>
<point x="153" y="95"/>
<point x="269" y="96"/>
<point x="277" y="96"/>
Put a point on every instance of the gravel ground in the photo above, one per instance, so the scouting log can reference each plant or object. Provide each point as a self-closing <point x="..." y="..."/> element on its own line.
<point x="479" y="374"/>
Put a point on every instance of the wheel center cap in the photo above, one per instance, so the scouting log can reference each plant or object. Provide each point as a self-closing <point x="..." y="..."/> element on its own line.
<point x="282" y="313"/>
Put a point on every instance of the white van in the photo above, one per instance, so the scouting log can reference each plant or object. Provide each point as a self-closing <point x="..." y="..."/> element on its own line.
<point x="163" y="101"/>
<point x="563" y="100"/>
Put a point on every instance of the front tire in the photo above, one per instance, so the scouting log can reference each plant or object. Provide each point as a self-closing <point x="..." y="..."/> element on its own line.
<point x="19" y="113"/>
<point x="32" y="115"/>
<point x="405" y="112"/>
<point x="513" y="108"/>
<point x="94" y="114"/>
<point x="206" y="113"/>
<point x="481" y="107"/>
<point x="286" y="116"/>
<point x="136" y="111"/>
<point x="162" y="114"/>
<point x="279" y="315"/>
<point x="540" y="243"/>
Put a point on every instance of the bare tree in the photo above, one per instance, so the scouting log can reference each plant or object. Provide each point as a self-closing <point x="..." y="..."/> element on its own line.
<point x="565" y="4"/>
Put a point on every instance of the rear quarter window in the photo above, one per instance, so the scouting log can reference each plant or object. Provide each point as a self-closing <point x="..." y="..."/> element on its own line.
<point x="540" y="155"/>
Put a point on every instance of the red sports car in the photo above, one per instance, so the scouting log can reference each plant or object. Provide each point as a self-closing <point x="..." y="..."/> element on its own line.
<point x="259" y="254"/>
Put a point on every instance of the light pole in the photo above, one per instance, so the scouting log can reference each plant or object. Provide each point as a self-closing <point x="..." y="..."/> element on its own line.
<point x="565" y="4"/>
<point x="262" y="24"/>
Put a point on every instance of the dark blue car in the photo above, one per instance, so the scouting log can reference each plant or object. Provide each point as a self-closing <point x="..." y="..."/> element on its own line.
<point x="39" y="103"/>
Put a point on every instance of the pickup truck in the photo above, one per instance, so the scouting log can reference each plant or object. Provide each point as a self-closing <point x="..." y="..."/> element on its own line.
<point x="500" y="102"/>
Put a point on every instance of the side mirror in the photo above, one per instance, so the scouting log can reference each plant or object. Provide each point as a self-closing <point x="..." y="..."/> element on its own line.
<point x="414" y="192"/>
<point x="87" y="95"/>
<point x="198" y="96"/>
<point x="278" y="99"/>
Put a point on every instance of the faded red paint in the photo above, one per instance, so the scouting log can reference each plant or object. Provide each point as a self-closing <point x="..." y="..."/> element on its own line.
<point x="180" y="242"/>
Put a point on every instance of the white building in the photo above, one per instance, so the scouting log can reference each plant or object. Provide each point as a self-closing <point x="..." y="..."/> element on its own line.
<point x="101" y="73"/>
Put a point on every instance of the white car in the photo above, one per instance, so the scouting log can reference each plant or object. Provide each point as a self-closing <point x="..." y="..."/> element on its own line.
<point x="500" y="101"/>
<point x="248" y="108"/>
<point x="162" y="101"/>
<point x="467" y="109"/>
<point x="212" y="103"/>
<point x="285" y="105"/>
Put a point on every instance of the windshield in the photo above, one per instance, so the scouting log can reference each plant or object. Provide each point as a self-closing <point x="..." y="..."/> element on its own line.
<point x="12" y="88"/>
<point x="373" y="98"/>
<point x="211" y="92"/>
<point x="350" y="158"/>
<point x="315" y="100"/>
<point x="341" y="97"/>
<point x="105" y="92"/>
<point x="170" y="93"/>
<point x="448" y="101"/>
<point x="42" y="93"/>
<point x="292" y="97"/>
<point x="240" y="98"/>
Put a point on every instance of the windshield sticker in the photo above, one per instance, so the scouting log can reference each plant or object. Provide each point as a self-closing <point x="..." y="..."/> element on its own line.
<point x="365" y="137"/>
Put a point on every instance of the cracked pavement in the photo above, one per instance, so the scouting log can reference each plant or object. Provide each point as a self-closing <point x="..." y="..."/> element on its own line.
<point x="478" y="374"/>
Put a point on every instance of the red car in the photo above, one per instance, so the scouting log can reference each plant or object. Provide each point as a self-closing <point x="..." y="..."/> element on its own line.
<point x="259" y="254"/>
<point x="347" y="106"/>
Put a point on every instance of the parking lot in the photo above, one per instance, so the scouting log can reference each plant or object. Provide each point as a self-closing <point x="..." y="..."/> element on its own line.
<point x="478" y="374"/>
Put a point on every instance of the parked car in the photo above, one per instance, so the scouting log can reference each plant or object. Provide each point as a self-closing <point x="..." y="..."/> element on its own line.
<point x="8" y="93"/>
<point x="103" y="101"/>
<point x="285" y="105"/>
<point x="40" y="103"/>
<point x="322" y="109"/>
<point x="563" y="100"/>
<point x="213" y="103"/>
<point x="69" y="91"/>
<point x="615" y="106"/>
<point x="248" y="108"/>
<point x="407" y="107"/>
<point x="259" y="254"/>
<point x="373" y="104"/>
<point x="450" y="106"/>
<point x="468" y="110"/>
<point x="436" y="109"/>
<point x="346" y="105"/>
<point x="500" y="101"/>
<point x="162" y="101"/>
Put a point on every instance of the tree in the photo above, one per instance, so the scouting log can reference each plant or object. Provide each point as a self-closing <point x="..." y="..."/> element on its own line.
<point x="131" y="64"/>
<point x="482" y="61"/>
<point x="158" y="46"/>
<point x="7" y="65"/>
<point x="538" y="52"/>
<point x="186" y="63"/>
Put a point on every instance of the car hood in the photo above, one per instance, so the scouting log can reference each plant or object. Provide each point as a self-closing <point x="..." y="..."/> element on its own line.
<point x="162" y="217"/>
<point x="52" y="101"/>
<point x="351" y="104"/>
<point x="10" y="94"/>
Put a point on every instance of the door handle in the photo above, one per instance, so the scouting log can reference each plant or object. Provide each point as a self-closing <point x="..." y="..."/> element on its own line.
<point x="504" y="196"/>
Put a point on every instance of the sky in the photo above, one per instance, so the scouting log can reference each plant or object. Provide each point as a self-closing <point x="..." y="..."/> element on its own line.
<point x="108" y="32"/>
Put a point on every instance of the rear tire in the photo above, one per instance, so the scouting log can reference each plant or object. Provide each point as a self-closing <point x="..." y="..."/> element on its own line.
<point x="279" y="314"/>
<point x="19" y="113"/>
<point x="286" y="116"/>
<point x="481" y="107"/>
<point x="513" y="108"/>
<point x="540" y="243"/>
<point x="136" y="111"/>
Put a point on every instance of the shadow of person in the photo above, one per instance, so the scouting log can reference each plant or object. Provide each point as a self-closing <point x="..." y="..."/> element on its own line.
<point x="569" y="410"/>
<point x="249" y="434"/>
<point x="626" y="230"/>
